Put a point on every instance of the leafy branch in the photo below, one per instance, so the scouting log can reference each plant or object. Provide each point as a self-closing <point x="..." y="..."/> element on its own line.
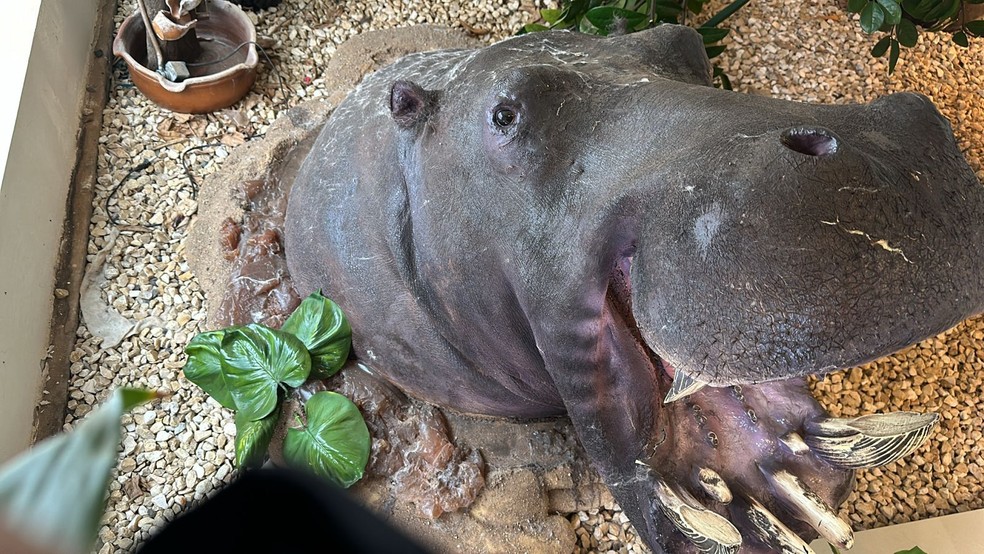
<point x="902" y="19"/>
<point x="251" y="369"/>
<point x="615" y="17"/>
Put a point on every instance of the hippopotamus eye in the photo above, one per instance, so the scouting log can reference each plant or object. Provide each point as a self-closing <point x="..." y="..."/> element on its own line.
<point x="503" y="117"/>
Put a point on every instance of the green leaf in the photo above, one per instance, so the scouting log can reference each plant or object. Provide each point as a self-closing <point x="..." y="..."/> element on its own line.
<point x="913" y="550"/>
<point x="587" y="28"/>
<point x="907" y="34"/>
<point x="916" y="8"/>
<point x="204" y="367"/>
<point x="334" y="443"/>
<point x="893" y="56"/>
<point x="54" y="494"/>
<point x="667" y="11"/>
<point x="714" y="51"/>
<point x="960" y="39"/>
<point x="321" y="325"/>
<point x="975" y="28"/>
<point x="256" y="360"/>
<point x="723" y="78"/>
<point x="534" y="27"/>
<point x="606" y="18"/>
<point x="712" y="34"/>
<point x="550" y="15"/>
<point x="855" y="6"/>
<point x="253" y="438"/>
<point x="893" y="11"/>
<point x="872" y="17"/>
<point x="725" y="13"/>
<point x="880" y="47"/>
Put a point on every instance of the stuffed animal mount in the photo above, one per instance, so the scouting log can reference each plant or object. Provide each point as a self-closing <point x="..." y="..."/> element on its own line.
<point x="562" y="224"/>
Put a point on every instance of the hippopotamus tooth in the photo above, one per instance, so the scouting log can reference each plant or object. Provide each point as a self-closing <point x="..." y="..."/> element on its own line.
<point x="809" y="507"/>
<point x="683" y="385"/>
<point x="561" y="224"/>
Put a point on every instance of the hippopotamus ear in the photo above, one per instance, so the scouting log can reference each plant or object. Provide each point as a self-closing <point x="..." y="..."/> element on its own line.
<point x="410" y="104"/>
<point x="673" y="51"/>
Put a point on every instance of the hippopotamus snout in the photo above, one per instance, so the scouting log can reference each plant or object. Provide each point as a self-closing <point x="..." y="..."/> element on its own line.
<point x="810" y="238"/>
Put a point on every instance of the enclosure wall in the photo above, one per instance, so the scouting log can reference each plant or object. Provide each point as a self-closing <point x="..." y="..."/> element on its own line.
<point x="46" y="47"/>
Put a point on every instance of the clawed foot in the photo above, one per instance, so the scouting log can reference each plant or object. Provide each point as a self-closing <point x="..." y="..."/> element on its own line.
<point x="758" y="468"/>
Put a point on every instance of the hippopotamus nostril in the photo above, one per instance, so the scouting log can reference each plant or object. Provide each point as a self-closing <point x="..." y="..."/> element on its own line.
<point x="812" y="142"/>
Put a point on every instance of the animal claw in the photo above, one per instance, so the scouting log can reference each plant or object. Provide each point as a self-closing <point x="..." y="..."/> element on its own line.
<point x="773" y="532"/>
<point x="714" y="485"/>
<point x="868" y="441"/>
<point x="709" y="531"/>
<point x="807" y="506"/>
<point x="683" y="385"/>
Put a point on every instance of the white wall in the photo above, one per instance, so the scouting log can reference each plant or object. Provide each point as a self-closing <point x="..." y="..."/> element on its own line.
<point x="46" y="47"/>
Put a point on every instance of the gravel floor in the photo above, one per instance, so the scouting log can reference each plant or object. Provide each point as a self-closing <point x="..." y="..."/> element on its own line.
<point x="178" y="451"/>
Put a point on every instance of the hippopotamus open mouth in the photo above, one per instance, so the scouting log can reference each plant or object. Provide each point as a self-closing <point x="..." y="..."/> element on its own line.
<point x="564" y="224"/>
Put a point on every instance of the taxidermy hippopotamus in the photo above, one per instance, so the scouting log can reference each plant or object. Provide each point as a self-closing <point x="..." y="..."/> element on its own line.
<point x="566" y="224"/>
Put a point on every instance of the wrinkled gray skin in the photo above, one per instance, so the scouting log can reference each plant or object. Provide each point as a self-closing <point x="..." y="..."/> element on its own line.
<point x="620" y="218"/>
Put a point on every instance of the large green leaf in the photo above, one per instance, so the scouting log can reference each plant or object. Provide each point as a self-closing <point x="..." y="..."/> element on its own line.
<point x="893" y="11"/>
<point x="855" y="6"/>
<point x="334" y="443"/>
<point x="253" y="438"/>
<point x="53" y="495"/>
<point x="204" y="367"/>
<point x="872" y="17"/>
<point x="256" y="360"/>
<point x="321" y="325"/>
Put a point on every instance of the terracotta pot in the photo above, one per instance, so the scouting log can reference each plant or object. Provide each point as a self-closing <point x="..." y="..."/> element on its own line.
<point x="211" y="86"/>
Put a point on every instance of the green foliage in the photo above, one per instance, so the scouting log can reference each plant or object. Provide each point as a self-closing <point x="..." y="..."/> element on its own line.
<point x="252" y="368"/>
<point x="322" y="327"/>
<point x="913" y="550"/>
<point x="54" y="494"/>
<point x="334" y="442"/>
<point x="609" y="17"/>
<point x="258" y="360"/>
<point x="902" y="19"/>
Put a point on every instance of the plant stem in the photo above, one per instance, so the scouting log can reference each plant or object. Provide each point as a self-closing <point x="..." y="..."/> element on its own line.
<point x="725" y="13"/>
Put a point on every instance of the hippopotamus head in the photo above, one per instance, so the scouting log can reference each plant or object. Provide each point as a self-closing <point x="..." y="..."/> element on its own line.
<point x="561" y="223"/>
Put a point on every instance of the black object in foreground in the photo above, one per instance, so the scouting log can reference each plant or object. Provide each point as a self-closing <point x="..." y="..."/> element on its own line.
<point x="273" y="510"/>
<point x="257" y="4"/>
